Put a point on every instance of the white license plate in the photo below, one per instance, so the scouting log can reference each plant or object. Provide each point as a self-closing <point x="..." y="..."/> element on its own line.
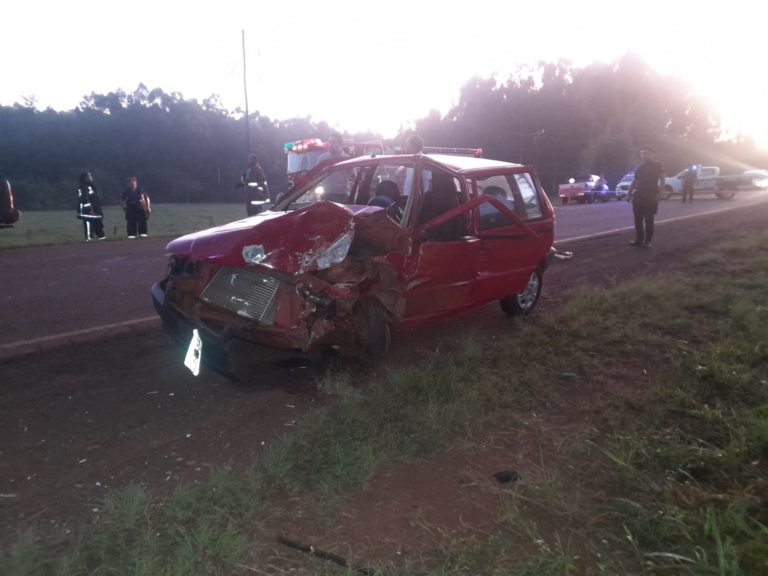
<point x="194" y="353"/>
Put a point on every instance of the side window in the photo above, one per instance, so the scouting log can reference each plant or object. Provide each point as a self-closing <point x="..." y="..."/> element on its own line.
<point x="529" y="197"/>
<point x="516" y="191"/>
<point x="503" y="188"/>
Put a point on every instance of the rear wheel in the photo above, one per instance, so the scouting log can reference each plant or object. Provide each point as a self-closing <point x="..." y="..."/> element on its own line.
<point x="564" y="199"/>
<point x="523" y="302"/>
<point x="725" y="194"/>
<point x="666" y="193"/>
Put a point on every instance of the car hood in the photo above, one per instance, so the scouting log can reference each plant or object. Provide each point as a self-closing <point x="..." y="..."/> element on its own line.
<point x="292" y="242"/>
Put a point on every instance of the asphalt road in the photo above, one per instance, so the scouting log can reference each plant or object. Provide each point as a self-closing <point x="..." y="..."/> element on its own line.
<point x="80" y="291"/>
<point x="588" y="220"/>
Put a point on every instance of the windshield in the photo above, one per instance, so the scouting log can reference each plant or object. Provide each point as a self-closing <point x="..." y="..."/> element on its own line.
<point x="371" y="185"/>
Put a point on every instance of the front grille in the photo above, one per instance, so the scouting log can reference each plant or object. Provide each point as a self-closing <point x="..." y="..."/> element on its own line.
<point x="245" y="292"/>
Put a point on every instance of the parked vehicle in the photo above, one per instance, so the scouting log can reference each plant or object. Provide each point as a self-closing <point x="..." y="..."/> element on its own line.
<point x="622" y="188"/>
<point x="311" y="274"/>
<point x="710" y="181"/>
<point x="9" y="215"/>
<point x="759" y="178"/>
<point x="589" y="188"/>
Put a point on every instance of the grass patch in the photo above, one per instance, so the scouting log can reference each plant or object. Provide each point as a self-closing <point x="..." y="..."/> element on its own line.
<point x="61" y="226"/>
<point x="672" y="479"/>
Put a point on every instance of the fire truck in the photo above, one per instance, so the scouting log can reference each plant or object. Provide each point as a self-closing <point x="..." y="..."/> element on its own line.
<point x="303" y="155"/>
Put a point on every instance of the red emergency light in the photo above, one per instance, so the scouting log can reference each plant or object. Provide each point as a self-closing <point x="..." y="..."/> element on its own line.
<point x="304" y="145"/>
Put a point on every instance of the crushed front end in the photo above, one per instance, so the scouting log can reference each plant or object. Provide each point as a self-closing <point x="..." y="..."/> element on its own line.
<point x="287" y="282"/>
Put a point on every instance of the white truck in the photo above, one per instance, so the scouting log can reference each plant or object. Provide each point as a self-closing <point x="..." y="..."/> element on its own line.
<point x="709" y="181"/>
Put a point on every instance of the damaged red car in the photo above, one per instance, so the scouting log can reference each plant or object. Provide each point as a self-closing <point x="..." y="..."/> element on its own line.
<point x="358" y="250"/>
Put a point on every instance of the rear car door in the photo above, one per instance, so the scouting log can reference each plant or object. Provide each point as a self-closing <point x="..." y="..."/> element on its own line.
<point x="515" y="239"/>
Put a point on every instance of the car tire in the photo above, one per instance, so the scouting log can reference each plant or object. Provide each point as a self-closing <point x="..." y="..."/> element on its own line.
<point x="524" y="302"/>
<point x="725" y="194"/>
<point x="372" y="326"/>
<point x="564" y="201"/>
<point x="666" y="193"/>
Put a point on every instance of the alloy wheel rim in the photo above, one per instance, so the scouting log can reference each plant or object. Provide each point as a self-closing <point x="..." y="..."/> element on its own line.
<point x="527" y="297"/>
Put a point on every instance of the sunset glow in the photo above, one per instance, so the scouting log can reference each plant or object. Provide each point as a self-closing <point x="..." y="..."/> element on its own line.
<point x="362" y="66"/>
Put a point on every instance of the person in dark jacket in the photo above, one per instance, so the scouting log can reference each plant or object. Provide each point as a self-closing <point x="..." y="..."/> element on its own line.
<point x="644" y="193"/>
<point x="254" y="180"/>
<point x="689" y="183"/>
<point x="89" y="208"/>
<point x="137" y="209"/>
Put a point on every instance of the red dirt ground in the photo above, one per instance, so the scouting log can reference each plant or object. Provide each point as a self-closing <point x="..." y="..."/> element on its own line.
<point x="80" y="420"/>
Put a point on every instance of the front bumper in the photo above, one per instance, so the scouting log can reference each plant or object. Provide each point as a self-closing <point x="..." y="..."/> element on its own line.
<point x="227" y="349"/>
<point x="215" y="345"/>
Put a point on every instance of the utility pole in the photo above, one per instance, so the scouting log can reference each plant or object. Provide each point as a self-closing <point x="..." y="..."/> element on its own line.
<point x="245" y="89"/>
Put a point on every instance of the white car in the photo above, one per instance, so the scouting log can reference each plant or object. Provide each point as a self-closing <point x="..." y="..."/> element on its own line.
<point x="759" y="178"/>
<point x="622" y="188"/>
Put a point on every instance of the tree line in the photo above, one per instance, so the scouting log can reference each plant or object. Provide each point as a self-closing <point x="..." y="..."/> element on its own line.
<point x="562" y="119"/>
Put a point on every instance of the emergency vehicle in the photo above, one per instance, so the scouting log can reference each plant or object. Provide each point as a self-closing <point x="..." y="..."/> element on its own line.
<point x="303" y="155"/>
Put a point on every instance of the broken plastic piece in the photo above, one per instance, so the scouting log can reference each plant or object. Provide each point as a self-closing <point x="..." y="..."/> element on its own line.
<point x="194" y="353"/>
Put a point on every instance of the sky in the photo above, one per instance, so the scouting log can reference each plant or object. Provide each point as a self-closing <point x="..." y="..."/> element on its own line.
<point x="362" y="65"/>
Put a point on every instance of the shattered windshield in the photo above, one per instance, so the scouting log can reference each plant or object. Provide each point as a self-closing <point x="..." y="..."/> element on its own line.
<point x="379" y="184"/>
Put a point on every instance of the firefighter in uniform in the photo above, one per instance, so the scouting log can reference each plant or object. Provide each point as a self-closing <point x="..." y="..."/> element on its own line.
<point x="89" y="208"/>
<point x="254" y="180"/>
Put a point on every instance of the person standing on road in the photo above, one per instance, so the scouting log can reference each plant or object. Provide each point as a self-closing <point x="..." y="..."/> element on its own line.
<point x="335" y="148"/>
<point x="254" y="180"/>
<point x="689" y="183"/>
<point x="89" y="208"/>
<point x="644" y="194"/>
<point x="137" y="208"/>
<point x="414" y="144"/>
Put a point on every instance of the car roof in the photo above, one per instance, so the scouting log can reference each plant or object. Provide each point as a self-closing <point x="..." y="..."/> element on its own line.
<point x="464" y="164"/>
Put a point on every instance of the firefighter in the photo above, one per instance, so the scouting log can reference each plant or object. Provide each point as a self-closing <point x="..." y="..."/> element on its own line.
<point x="89" y="208"/>
<point x="254" y="180"/>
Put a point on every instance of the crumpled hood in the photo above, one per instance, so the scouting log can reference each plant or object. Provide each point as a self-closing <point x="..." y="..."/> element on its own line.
<point x="284" y="241"/>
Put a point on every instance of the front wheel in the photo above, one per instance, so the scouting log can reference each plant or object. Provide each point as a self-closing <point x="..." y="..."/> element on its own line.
<point x="372" y="326"/>
<point x="524" y="302"/>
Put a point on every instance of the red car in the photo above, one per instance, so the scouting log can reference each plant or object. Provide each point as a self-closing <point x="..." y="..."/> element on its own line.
<point x="359" y="249"/>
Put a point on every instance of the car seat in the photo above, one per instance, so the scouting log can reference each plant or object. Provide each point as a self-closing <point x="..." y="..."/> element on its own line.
<point x="442" y="198"/>
<point x="385" y="194"/>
